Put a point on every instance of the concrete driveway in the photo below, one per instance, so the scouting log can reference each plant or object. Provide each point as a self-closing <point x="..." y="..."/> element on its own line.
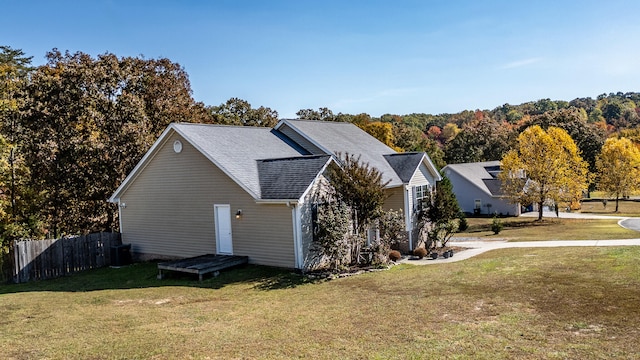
<point x="630" y="223"/>
<point x="478" y="247"/>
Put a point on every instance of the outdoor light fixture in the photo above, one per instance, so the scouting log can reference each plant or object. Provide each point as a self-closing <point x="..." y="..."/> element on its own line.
<point x="238" y="213"/>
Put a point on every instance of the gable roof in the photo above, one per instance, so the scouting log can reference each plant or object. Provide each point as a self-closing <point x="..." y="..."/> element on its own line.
<point x="346" y="138"/>
<point x="289" y="178"/>
<point x="405" y="164"/>
<point x="482" y="175"/>
<point x="237" y="150"/>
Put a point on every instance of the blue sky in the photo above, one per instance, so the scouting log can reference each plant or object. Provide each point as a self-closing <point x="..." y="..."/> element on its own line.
<point x="375" y="57"/>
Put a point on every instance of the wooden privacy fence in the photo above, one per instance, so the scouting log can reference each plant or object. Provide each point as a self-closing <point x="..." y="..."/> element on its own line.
<point x="47" y="259"/>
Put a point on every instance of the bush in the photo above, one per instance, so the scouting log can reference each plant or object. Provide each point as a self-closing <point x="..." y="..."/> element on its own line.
<point x="394" y="255"/>
<point x="496" y="225"/>
<point x="420" y="252"/>
<point x="462" y="222"/>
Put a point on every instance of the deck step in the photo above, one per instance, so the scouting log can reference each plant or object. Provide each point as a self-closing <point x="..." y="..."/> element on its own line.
<point x="203" y="264"/>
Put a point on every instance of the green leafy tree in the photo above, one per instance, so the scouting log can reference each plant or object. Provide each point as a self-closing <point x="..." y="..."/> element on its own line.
<point x="360" y="187"/>
<point x="239" y="112"/>
<point x="619" y="168"/>
<point x="322" y="114"/>
<point x="546" y="165"/>
<point x="483" y="139"/>
<point x="440" y="213"/>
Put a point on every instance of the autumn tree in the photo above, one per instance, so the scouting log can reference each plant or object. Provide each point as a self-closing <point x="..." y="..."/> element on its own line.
<point x="588" y="137"/>
<point x="545" y="166"/>
<point x="236" y="111"/>
<point x="89" y="121"/>
<point x="618" y="168"/>
<point x="409" y="138"/>
<point x="449" y="132"/>
<point x="15" y="199"/>
<point x="381" y="131"/>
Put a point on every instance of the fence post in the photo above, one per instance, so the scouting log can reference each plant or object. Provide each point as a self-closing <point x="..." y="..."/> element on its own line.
<point x="16" y="262"/>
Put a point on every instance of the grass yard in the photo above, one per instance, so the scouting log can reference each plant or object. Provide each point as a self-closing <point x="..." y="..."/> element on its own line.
<point x="625" y="208"/>
<point x="568" y="303"/>
<point x="528" y="229"/>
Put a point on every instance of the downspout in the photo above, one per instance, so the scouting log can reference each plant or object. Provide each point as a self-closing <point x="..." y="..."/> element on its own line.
<point x="297" y="235"/>
<point x="120" y="207"/>
<point x="408" y="216"/>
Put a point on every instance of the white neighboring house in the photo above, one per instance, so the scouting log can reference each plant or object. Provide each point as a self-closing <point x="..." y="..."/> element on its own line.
<point x="477" y="188"/>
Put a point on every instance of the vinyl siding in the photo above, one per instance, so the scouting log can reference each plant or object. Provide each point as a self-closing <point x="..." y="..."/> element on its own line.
<point x="300" y="140"/>
<point x="422" y="177"/>
<point x="466" y="193"/>
<point x="395" y="201"/>
<point x="169" y="211"/>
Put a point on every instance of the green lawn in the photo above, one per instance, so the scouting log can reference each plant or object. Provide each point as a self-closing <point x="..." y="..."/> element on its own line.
<point x="576" y="303"/>
<point x="529" y="229"/>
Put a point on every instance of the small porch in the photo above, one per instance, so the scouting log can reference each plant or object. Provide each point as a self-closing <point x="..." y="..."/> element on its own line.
<point x="202" y="265"/>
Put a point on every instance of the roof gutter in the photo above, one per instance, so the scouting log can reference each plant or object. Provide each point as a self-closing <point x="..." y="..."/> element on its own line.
<point x="287" y="202"/>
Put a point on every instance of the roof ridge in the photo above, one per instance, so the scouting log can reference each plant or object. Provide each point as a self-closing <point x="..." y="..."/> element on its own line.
<point x="301" y="157"/>
<point x="224" y="126"/>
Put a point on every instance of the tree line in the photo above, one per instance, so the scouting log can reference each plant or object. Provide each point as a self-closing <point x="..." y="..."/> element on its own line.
<point x="73" y="128"/>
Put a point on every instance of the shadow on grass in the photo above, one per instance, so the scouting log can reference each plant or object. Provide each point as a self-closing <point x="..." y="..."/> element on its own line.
<point x="144" y="275"/>
<point x="511" y="224"/>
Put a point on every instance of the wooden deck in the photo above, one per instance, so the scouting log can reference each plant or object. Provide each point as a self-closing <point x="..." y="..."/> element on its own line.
<point x="203" y="264"/>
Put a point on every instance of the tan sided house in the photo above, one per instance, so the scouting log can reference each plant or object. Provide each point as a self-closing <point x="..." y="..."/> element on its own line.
<point x="249" y="191"/>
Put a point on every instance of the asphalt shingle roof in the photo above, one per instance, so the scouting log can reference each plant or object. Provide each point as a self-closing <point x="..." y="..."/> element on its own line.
<point x="405" y="164"/>
<point x="288" y="178"/>
<point x="339" y="137"/>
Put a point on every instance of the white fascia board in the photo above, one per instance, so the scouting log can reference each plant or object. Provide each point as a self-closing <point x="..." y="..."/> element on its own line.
<point x="431" y="167"/>
<point x="277" y="201"/>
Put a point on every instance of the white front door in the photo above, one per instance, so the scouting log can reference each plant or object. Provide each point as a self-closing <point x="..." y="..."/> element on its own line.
<point x="222" y="214"/>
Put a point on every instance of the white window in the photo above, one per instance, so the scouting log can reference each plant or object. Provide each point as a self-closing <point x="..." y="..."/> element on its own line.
<point x="421" y="195"/>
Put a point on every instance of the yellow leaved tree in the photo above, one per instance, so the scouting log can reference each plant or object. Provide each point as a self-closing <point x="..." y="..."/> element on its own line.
<point x="546" y="167"/>
<point x="618" y="167"/>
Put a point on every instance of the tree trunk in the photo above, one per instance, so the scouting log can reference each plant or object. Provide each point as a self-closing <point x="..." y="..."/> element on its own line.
<point x="616" y="203"/>
<point x="540" y="208"/>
